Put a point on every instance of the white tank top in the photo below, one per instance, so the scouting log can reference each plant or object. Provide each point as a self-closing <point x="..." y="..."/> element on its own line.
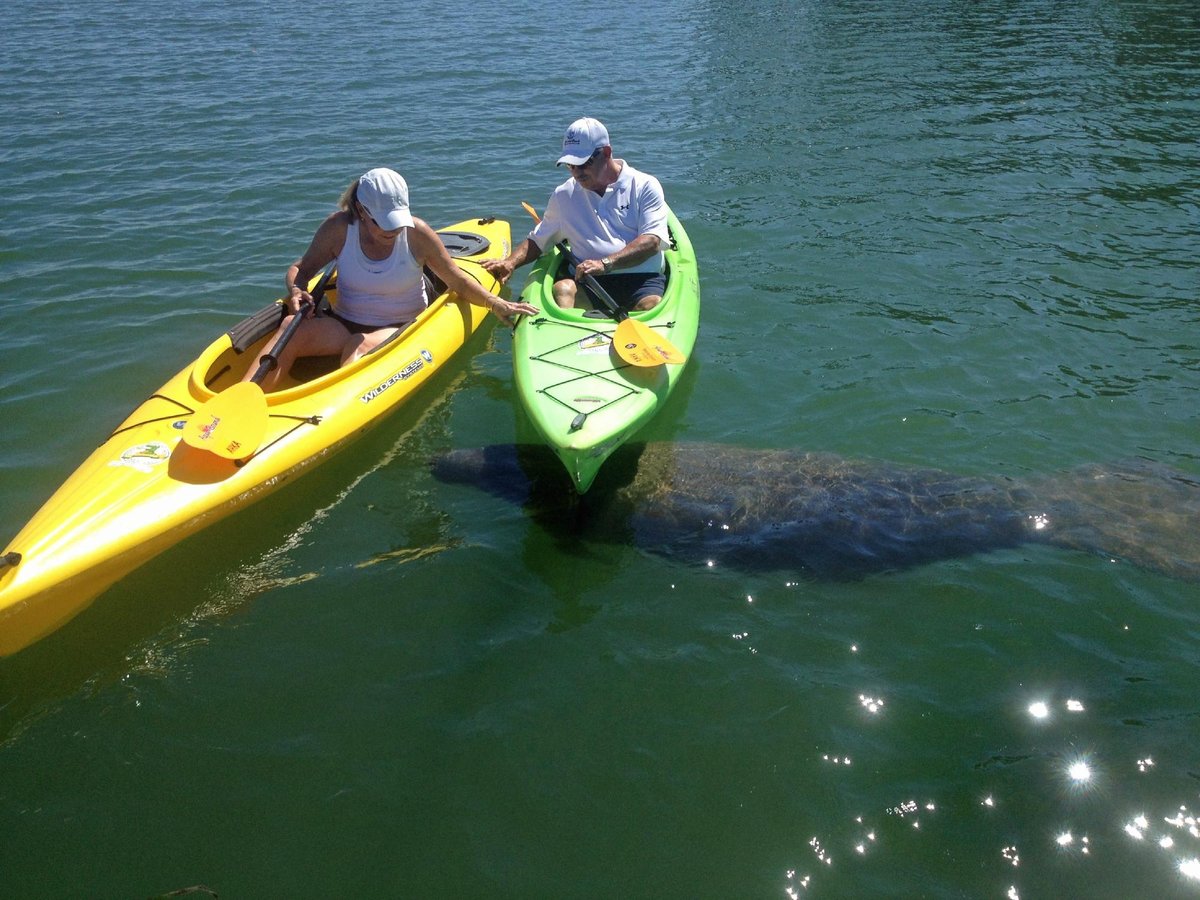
<point x="378" y="291"/>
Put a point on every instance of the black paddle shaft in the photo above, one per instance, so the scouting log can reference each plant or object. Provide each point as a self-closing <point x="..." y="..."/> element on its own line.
<point x="271" y="360"/>
<point x="589" y="281"/>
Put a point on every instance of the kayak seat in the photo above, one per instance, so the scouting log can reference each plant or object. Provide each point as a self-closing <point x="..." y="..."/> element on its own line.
<point x="434" y="286"/>
<point x="254" y="328"/>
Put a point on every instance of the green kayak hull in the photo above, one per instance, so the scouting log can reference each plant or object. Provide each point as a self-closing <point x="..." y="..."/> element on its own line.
<point x="581" y="397"/>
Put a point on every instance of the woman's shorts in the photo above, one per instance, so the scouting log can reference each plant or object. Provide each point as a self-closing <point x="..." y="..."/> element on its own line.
<point x="359" y="328"/>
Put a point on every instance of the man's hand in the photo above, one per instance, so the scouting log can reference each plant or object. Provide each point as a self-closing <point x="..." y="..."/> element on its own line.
<point x="500" y="269"/>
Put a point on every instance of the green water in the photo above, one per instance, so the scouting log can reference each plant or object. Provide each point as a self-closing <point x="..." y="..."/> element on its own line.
<point x="941" y="234"/>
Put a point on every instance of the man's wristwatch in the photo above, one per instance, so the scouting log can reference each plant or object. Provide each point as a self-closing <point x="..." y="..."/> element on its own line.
<point x="607" y="263"/>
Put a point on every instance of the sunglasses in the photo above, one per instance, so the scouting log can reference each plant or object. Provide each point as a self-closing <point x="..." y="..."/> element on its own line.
<point x="365" y="214"/>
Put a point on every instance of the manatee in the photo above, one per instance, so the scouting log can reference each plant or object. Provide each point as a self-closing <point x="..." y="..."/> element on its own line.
<point x="827" y="516"/>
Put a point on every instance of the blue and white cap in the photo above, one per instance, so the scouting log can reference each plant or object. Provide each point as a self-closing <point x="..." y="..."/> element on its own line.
<point x="583" y="138"/>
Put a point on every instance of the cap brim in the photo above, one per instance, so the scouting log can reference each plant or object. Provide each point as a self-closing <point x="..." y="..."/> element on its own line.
<point x="397" y="218"/>
<point x="573" y="160"/>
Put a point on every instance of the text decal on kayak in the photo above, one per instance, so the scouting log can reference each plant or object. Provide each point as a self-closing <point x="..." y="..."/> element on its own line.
<point x="403" y="375"/>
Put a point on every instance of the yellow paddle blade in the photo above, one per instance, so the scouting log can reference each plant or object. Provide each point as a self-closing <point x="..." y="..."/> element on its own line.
<point x="533" y="212"/>
<point x="231" y="424"/>
<point x="640" y="345"/>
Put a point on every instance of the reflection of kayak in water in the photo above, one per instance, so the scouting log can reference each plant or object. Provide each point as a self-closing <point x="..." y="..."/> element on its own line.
<point x="145" y="489"/>
<point x="834" y="517"/>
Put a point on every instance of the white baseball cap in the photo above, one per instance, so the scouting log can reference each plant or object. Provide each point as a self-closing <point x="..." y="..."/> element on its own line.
<point x="385" y="195"/>
<point x="583" y="138"/>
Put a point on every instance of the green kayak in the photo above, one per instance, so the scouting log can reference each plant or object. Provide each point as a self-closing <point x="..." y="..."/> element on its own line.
<point x="582" y="397"/>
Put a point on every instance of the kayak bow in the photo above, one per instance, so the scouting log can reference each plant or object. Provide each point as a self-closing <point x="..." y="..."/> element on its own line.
<point x="145" y="489"/>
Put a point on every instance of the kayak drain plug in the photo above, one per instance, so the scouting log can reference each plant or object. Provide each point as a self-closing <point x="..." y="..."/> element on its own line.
<point x="577" y="422"/>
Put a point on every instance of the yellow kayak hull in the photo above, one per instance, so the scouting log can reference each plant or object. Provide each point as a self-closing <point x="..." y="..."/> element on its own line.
<point x="144" y="489"/>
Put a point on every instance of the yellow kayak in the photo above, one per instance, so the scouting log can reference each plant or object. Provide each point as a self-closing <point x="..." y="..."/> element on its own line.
<point x="145" y="489"/>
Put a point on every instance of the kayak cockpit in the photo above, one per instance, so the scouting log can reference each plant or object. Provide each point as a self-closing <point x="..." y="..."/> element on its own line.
<point x="224" y="364"/>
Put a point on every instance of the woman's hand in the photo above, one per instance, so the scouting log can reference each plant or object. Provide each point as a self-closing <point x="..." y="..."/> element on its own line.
<point x="298" y="298"/>
<point x="505" y="309"/>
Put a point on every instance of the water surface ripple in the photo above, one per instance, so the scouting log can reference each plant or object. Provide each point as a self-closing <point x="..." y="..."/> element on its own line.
<point x="945" y="235"/>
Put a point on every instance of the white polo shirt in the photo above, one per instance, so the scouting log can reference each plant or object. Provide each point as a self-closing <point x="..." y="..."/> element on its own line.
<point x="598" y="226"/>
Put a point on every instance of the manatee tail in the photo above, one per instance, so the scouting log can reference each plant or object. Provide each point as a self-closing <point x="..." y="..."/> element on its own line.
<point x="1145" y="513"/>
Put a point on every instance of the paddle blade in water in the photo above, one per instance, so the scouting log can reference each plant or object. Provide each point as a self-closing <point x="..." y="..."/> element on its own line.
<point x="640" y="345"/>
<point x="231" y="424"/>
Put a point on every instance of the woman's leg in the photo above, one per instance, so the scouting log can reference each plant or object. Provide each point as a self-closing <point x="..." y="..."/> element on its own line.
<point x="361" y="344"/>
<point x="319" y="336"/>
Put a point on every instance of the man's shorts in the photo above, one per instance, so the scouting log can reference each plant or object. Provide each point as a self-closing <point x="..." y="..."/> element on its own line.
<point x="626" y="288"/>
